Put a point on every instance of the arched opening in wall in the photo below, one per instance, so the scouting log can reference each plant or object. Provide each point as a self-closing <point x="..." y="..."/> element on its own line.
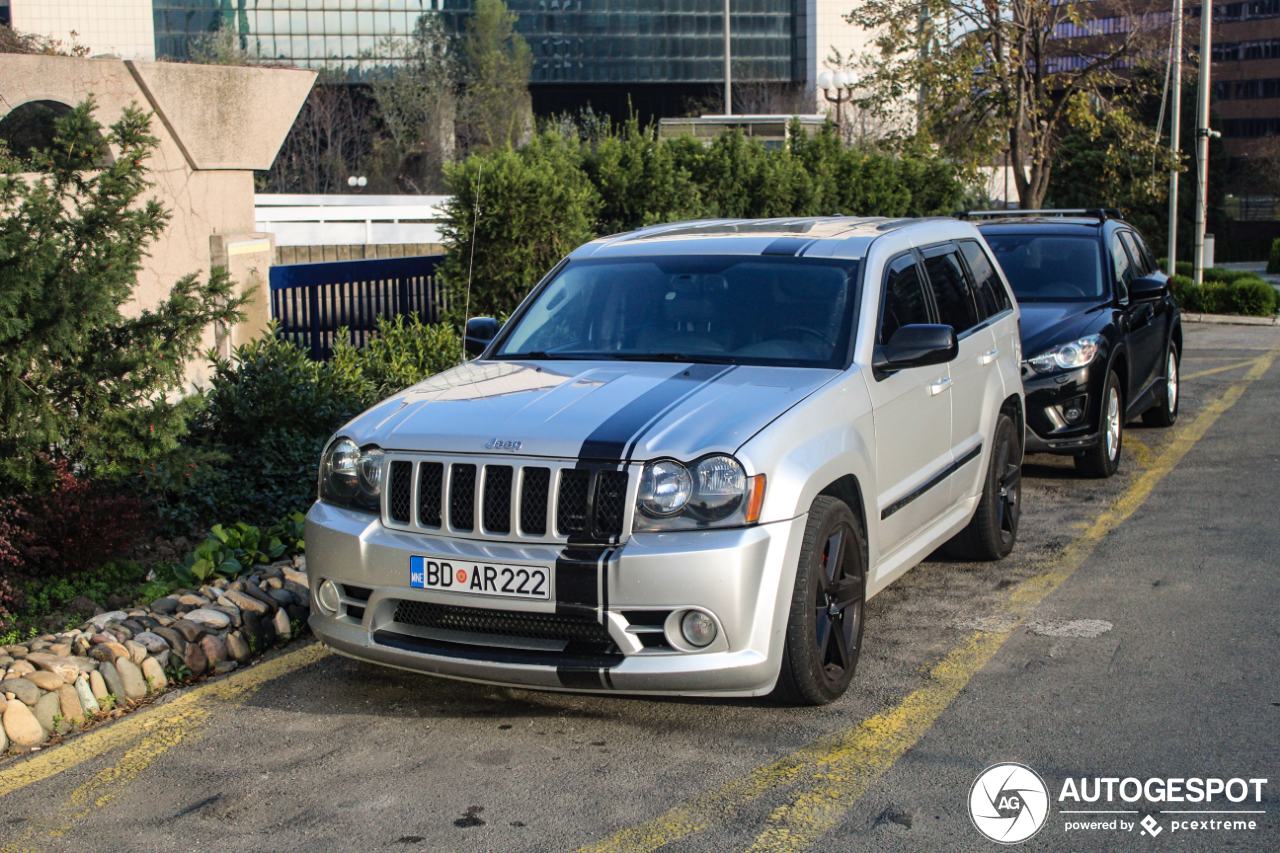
<point x="31" y="128"/>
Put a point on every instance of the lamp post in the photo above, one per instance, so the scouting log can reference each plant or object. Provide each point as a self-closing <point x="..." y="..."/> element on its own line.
<point x="837" y="88"/>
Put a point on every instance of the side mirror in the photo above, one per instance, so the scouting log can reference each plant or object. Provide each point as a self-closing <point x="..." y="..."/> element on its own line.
<point x="480" y="331"/>
<point x="1148" y="289"/>
<point x="916" y="345"/>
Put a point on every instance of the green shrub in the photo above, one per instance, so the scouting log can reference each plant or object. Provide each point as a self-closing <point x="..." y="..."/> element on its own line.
<point x="1273" y="263"/>
<point x="1185" y="292"/>
<point x="405" y="350"/>
<point x="1251" y="296"/>
<point x="535" y="206"/>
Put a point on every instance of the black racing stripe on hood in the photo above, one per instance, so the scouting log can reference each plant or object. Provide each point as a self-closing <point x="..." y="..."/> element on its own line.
<point x="616" y="437"/>
<point x="788" y="246"/>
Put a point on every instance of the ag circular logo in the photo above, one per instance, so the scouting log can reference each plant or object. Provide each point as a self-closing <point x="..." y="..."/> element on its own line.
<point x="1008" y="803"/>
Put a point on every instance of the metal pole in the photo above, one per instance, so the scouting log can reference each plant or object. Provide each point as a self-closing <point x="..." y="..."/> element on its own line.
<point x="1175" y="134"/>
<point x="1202" y="139"/>
<point x="728" y="75"/>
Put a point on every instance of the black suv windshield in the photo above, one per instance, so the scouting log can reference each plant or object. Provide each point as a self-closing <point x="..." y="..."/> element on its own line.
<point x="738" y="310"/>
<point x="1050" y="267"/>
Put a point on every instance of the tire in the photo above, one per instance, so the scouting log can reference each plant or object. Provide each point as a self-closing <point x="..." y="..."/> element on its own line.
<point x="824" y="629"/>
<point x="993" y="530"/>
<point x="1103" y="459"/>
<point x="1165" y="413"/>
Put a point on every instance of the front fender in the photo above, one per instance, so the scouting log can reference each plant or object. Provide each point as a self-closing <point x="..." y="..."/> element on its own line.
<point x="828" y="436"/>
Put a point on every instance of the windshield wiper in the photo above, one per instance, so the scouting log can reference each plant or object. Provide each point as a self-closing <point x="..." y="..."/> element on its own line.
<point x="540" y="355"/>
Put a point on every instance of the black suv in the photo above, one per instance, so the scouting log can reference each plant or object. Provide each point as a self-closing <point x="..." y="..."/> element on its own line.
<point x="1101" y="332"/>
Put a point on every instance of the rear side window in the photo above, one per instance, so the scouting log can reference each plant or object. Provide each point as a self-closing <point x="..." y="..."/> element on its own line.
<point x="904" y="299"/>
<point x="950" y="289"/>
<point x="1141" y="259"/>
<point x="988" y="292"/>
<point x="1122" y="267"/>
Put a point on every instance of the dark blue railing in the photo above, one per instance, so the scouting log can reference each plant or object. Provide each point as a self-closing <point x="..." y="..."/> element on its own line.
<point x="312" y="302"/>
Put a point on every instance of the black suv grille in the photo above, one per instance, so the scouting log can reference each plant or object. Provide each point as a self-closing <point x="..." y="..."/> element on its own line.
<point x="611" y="502"/>
<point x="476" y="620"/>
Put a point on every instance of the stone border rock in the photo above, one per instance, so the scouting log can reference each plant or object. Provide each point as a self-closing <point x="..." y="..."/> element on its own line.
<point x="59" y="683"/>
<point x="1228" y="319"/>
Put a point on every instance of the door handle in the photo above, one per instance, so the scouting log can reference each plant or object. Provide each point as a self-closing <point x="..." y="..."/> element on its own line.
<point x="937" y="386"/>
<point x="989" y="356"/>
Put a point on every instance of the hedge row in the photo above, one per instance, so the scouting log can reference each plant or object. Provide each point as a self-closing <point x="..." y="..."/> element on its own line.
<point x="1247" y="295"/>
<point x="538" y="203"/>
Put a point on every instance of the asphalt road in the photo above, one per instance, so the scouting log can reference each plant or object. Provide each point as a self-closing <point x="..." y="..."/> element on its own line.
<point x="1132" y="634"/>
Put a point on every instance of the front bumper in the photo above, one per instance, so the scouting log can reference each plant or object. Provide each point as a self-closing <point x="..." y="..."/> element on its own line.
<point x="1050" y="397"/>
<point x="742" y="577"/>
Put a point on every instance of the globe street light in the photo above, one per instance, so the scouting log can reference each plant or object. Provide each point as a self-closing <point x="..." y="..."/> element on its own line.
<point x="837" y="88"/>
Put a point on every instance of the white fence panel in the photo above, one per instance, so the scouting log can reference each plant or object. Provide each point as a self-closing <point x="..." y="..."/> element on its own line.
<point x="350" y="220"/>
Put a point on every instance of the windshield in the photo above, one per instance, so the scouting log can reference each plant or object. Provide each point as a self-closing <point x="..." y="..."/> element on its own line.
<point x="736" y="310"/>
<point x="1044" y="268"/>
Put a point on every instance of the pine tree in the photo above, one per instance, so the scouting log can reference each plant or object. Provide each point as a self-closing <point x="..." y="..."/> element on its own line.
<point x="79" y="380"/>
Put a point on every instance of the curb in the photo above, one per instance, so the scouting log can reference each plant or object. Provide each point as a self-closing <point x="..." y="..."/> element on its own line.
<point x="1228" y="319"/>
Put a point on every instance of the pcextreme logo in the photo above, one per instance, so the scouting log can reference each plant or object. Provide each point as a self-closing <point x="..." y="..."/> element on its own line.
<point x="1009" y="803"/>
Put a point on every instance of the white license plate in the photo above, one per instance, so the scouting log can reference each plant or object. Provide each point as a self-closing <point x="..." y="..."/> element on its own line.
<point x="480" y="578"/>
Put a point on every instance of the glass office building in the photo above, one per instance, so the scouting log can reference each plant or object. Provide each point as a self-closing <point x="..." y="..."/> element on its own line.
<point x="609" y="42"/>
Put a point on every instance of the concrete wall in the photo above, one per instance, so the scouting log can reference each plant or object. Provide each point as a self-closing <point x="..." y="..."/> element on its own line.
<point x="123" y="28"/>
<point x="216" y="125"/>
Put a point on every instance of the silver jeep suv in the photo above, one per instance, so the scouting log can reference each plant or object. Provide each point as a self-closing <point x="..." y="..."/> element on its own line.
<point x="684" y="464"/>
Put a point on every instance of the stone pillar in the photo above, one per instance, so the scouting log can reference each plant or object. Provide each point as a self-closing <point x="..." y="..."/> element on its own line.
<point x="247" y="259"/>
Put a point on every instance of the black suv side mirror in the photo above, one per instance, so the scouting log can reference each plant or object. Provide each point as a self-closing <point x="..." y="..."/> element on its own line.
<point x="916" y="345"/>
<point x="1148" y="289"/>
<point x="480" y="331"/>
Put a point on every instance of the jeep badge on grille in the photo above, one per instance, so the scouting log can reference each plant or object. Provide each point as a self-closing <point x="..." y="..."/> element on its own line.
<point x="503" y="444"/>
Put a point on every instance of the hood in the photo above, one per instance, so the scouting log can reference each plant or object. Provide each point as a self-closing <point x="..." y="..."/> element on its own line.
<point x="1046" y="324"/>
<point x="603" y="410"/>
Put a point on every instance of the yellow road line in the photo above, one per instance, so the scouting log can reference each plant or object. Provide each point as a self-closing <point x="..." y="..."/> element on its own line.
<point x="1200" y="374"/>
<point x="839" y="769"/>
<point x="178" y="719"/>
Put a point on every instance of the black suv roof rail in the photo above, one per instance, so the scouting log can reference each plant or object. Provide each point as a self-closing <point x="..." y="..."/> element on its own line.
<point x="1102" y="214"/>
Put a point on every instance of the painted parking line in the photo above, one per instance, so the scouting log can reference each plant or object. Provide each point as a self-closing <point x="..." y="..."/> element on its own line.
<point x="178" y="719"/>
<point x="831" y="774"/>
<point x="1200" y="374"/>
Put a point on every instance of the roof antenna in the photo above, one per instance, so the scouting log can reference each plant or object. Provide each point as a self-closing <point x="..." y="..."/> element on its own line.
<point x="471" y="263"/>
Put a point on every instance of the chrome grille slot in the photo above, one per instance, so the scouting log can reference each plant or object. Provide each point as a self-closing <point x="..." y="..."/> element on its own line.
<point x="571" y="503"/>
<point x="533" y="501"/>
<point x="401" y="486"/>
<point x="430" y="492"/>
<point x="497" y="498"/>
<point x="462" y="497"/>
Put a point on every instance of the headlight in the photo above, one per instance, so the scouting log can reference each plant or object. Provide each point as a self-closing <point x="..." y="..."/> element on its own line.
<point x="1067" y="356"/>
<point x="714" y="491"/>
<point x="351" y="476"/>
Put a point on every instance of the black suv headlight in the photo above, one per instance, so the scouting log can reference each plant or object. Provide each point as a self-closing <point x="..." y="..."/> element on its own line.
<point x="351" y="475"/>
<point x="1067" y="356"/>
<point x="713" y="491"/>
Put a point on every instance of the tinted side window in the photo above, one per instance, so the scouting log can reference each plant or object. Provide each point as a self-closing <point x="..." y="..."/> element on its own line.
<point x="1140" y="260"/>
<point x="904" y="300"/>
<point x="1122" y="267"/>
<point x="950" y="290"/>
<point x="988" y="291"/>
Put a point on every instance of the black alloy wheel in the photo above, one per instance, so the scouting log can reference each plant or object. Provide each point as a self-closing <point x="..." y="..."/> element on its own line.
<point x="993" y="530"/>
<point x="824" y="632"/>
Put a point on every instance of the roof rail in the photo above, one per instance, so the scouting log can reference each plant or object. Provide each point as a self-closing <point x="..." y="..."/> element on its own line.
<point x="1102" y="214"/>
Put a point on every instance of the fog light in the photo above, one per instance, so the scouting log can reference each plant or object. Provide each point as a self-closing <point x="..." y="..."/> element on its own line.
<point x="1073" y="410"/>
<point x="328" y="597"/>
<point x="698" y="628"/>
